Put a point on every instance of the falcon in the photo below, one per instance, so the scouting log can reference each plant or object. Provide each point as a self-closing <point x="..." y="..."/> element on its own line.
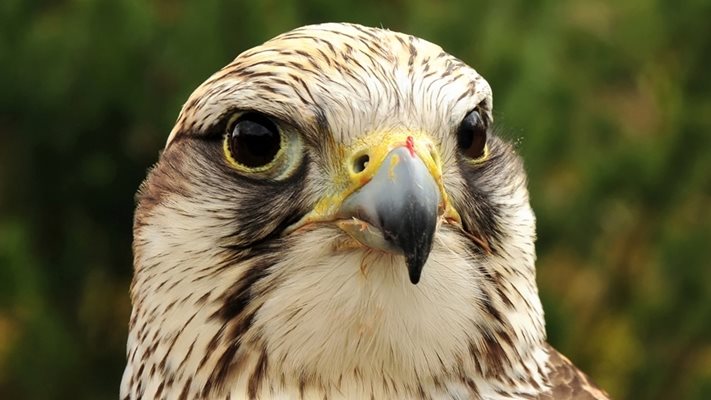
<point x="333" y="217"/>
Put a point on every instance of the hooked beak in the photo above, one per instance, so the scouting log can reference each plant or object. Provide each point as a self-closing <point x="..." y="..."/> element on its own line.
<point x="393" y="199"/>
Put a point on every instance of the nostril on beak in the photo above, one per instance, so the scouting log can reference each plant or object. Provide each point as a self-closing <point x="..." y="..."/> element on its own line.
<point x="360" y="163"/>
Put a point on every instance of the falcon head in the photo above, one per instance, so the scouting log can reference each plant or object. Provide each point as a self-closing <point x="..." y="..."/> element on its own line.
<point x="333" y="215"/>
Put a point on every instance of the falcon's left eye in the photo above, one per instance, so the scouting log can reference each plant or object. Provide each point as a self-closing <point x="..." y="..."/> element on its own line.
<point x="253" y="141"/>
<point x="257" y="144"/>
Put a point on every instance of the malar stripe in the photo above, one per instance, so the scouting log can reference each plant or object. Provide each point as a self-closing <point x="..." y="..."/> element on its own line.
<point x="266" y="245"/>
<point x="239" y="295"/>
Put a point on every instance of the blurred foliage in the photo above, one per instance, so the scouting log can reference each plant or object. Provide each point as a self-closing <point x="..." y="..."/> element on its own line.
<point x="609" y="102"/>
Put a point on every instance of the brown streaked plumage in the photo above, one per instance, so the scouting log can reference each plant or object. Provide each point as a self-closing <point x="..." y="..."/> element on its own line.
<point x="333" y="217"/>
<point x="568" y="382"/>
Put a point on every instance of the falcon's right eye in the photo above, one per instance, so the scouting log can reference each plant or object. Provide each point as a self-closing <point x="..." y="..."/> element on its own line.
<point x="471" y="137"/>
<point x="253" y="142"/>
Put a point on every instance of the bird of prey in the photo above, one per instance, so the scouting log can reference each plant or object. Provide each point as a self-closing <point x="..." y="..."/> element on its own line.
<point x="333" y="217"/>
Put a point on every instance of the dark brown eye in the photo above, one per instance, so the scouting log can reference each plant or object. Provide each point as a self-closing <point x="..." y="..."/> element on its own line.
<point x="253" y="141"/>
<point x="471" y="136"/>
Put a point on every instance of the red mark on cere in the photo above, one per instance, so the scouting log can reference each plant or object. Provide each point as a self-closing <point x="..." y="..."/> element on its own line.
<point x="410" y="143"/>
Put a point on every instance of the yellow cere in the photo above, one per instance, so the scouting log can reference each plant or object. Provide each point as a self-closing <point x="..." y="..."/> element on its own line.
<point x="377" y="146"/>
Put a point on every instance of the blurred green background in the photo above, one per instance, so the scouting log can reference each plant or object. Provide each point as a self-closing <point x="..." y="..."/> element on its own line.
<point x="609" y="101"/>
